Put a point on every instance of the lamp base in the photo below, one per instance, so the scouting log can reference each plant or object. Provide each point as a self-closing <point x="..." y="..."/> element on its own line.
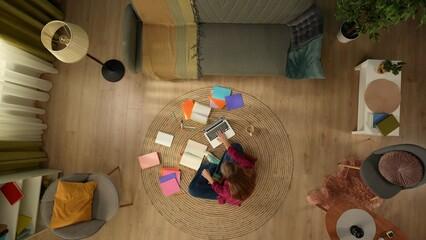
<point x="113" y="70"/>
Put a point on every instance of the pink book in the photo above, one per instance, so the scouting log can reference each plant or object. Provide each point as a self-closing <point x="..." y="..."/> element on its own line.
<point x="169" y="187"/>
<point x="165" y="172"/>
<point x="149" y="160"/>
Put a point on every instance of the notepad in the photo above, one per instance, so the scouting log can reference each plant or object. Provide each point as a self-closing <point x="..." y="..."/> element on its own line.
<point x="200" y="113"/>
<point x="164" y="139"/>
<point x="187" y="107"/>
<point x="193" y="155"/>
<point x="234" y="101"/>
<point x="12" y="192"/>
<point x="216" y="103"/>
<point x="220" y="92"/>
<point x="169" y="187"/>
<point x="149" y="160"/>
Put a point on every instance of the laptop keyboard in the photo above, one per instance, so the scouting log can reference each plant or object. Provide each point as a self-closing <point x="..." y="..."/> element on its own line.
<point x="221" y="127"/>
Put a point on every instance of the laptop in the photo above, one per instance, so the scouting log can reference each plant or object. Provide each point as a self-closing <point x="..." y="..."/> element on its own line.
<point x="219" y="125"/>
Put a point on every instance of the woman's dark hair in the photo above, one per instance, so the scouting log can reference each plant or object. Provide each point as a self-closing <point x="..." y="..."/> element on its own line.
<point x="241" y="180"/>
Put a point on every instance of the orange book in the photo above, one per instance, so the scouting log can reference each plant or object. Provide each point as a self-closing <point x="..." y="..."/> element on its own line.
<point x="187" y="107"/>
<point x="219" y="103"/>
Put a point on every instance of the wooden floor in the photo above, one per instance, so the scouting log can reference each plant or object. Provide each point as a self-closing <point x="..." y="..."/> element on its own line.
<point x="94" y="125"/>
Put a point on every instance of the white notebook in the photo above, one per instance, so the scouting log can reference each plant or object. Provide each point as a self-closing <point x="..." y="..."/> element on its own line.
<point x="164" y="139"/>
<point x="193" y="155"/>
<point x="200" y="113"/>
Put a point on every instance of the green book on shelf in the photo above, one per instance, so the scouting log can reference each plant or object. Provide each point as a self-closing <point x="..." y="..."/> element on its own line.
<point x="387" y="125"/>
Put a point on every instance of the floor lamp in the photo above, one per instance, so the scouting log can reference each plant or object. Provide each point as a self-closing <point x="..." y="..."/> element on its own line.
<point x="69" y="43"/>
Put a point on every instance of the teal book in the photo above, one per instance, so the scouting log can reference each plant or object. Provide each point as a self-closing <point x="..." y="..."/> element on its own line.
<point x="211" y="158"/>
<point x="220" y="92"/>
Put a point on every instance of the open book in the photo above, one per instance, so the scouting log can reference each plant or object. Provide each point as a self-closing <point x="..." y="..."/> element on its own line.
<point x="193" y="155"/>
<point x="200" y="113"/>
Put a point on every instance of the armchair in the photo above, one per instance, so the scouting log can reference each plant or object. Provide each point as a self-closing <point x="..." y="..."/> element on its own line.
<point x="378" y="184"/>
<point x="105" y="205"/>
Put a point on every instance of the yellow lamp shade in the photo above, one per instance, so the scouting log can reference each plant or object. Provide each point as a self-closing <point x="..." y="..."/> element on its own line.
<point x="66" y="41"/>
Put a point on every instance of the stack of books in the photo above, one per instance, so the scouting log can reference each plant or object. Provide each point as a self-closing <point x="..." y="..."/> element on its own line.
<point x="384" y="123"/>
<point x="170" y="181"/>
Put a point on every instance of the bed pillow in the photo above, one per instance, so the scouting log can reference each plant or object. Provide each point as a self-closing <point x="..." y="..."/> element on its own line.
<point x="401" y="168"/>
<point x="305" y="27"/>
<point x="73" y="203"/>
<point x="305" y="62"/>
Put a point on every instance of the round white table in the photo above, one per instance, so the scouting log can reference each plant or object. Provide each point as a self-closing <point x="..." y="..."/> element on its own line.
<point x="355" y="217"/>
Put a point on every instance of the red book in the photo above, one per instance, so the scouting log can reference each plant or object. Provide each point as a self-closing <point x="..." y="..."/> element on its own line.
<point x="12" y="192"/>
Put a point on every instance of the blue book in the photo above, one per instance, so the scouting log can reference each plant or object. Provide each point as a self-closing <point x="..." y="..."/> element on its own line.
<point x="378" y="117"/>
<point x="23" y="234"/>
<point x="234" y="101"/>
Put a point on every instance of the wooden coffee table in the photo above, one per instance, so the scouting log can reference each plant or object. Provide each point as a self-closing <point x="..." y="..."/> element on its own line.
<point x="334" y="221"/>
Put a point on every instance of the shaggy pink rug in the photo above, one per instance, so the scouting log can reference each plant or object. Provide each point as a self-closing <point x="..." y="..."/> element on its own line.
<point x="345" y="185"/>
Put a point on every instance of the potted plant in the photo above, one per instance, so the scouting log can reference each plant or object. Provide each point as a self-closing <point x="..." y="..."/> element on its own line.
<point x="348" y="32"/>
<point x="370" y="16"/>
<point x="388" y="66"/>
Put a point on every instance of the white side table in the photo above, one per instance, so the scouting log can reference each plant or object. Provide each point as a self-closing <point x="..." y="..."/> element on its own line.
<point x="368" y="74"/>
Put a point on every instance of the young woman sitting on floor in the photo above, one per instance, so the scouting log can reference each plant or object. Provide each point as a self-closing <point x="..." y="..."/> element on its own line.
<point x="231" y="181"/>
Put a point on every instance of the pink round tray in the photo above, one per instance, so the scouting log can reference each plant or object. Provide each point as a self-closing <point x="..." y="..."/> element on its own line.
<point x="382" y="96"/>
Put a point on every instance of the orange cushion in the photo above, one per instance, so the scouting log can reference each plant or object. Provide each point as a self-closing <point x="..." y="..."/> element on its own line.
<point x="73" y="203"/>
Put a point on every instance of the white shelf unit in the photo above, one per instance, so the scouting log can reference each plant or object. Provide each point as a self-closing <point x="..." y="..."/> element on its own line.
<point x="368" y="74"/>
<point x="30" y="184"/>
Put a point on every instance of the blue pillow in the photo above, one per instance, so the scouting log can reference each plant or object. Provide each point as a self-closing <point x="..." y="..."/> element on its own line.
<point x="304" y="62"/>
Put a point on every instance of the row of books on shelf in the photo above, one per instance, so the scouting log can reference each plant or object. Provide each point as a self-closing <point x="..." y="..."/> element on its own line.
<point x="23" y="228"/>
<point x="3" y="231"/>
<point x="383" y="122"/>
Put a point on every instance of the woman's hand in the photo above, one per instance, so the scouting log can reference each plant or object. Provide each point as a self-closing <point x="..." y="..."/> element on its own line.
<point x="221" y="137"/>
<point x="206" y="174"/>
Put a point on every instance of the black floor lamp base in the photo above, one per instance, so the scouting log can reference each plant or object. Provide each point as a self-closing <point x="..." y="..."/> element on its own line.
<point x="113" y="70"/>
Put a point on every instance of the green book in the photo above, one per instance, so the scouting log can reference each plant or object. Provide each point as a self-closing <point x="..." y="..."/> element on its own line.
<point x="387" y="125"/>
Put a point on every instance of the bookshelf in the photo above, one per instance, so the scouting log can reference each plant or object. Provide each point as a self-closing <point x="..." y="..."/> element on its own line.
<point x="367" y="74"/>
<point x="30" y="184"/>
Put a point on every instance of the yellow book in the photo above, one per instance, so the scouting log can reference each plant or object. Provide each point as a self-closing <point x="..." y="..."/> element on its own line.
<point x="23" y="222"/>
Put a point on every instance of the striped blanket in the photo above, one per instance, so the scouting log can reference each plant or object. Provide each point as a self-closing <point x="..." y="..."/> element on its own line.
<point x="169" y="39"/>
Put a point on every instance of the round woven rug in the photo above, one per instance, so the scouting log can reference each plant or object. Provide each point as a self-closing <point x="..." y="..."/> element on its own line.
<point x="206" y="218"/>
